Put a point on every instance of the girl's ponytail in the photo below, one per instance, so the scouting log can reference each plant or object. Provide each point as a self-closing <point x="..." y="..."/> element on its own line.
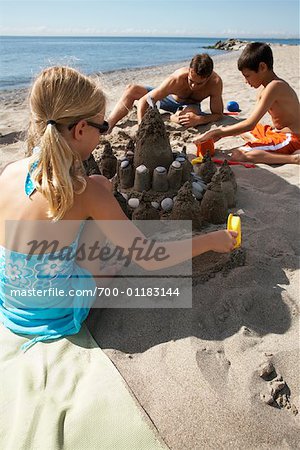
<point x="59" y="173"/>
<point x="59" y="97"/>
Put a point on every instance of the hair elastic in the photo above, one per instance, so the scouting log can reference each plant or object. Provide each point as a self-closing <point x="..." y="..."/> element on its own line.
<point x="51" y="122"/>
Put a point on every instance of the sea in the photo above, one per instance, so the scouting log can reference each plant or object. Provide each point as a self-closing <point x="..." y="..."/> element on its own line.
<point x="22" y="58"/>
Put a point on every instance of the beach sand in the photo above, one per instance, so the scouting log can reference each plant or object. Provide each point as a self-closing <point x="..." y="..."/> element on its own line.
<point x="196" y="372"/>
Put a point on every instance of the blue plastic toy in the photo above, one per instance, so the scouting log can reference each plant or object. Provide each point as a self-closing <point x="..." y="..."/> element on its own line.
<point x="233" y="106"/>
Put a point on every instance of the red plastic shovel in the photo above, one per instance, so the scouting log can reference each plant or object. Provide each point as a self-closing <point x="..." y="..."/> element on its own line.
<point x="234" y="163"/>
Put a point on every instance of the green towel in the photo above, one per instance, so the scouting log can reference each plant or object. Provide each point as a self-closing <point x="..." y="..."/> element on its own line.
<point x="67" y="394"/>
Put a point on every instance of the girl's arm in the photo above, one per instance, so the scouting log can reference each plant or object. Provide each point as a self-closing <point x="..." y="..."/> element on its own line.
<point x="102" y="206"/>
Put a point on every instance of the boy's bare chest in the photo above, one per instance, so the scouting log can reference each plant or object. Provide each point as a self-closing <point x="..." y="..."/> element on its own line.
<point x="283" y="117"/>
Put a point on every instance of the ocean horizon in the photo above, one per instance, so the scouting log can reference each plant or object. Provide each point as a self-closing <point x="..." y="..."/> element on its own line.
<point x="22" y="57"/>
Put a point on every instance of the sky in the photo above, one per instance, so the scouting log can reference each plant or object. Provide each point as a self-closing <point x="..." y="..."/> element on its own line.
<point x="203" y="18"/>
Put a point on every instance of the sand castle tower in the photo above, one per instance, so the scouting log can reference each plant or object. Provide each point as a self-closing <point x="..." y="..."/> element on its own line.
<point x="227" y="188"/>
<point x="108" y="161"/>
<point x="186" y="207"/>
<point x="225" y="168"/>
<point x="149" y="164"/>
<point x="152" y="143"/>
<point x="125" y="173"/>
<point x="91" y="167"/>
<point x="187" y="166"/>
<point x="206" y="169"/>
<point x="214" y="205"/>
<point x="130" y="147"/>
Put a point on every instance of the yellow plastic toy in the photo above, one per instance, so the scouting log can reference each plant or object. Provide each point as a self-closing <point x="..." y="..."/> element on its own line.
<point x="197" y="160"/>
<point x="234" y="224"/>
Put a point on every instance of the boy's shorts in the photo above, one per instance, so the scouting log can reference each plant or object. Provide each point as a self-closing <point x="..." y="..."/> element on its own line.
<point x="273" y="141"/>
<point x="171" y="105"/>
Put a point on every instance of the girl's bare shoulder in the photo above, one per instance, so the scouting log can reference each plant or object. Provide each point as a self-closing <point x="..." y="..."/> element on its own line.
<point x="97" y="186"/>
<point x="98" y="182"/>
<point x="14" y="167"/>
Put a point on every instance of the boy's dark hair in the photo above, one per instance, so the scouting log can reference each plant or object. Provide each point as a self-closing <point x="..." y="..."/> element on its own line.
<point x="255" y="53"/>
<point x="202" y="64"/>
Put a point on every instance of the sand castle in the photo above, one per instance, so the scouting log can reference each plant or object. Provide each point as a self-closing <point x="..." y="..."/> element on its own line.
<point x="157" y="183"/>
<point x="214" y="205"/>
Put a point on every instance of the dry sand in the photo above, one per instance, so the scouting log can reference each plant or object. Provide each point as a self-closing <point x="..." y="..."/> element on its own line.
<point x="196" y="372"/>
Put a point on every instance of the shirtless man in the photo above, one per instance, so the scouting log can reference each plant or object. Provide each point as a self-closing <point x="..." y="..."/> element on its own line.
<point x="277" y="144"/>
<point x="181" y="94"/>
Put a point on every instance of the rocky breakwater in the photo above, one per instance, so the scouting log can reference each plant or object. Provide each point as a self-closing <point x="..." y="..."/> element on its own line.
<point x="229" y="45"/>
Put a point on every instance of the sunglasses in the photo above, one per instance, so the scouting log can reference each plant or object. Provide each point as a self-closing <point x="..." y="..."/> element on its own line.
<point x="103" y="128"/>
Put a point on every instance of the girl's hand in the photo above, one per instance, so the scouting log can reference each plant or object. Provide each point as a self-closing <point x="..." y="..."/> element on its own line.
<point x="222" y="241"/>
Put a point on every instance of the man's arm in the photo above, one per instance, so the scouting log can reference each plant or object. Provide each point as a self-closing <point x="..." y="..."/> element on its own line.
<point x="166" y="88"/>
<point x="216" y="103"/>
<point x="265" y="102"/>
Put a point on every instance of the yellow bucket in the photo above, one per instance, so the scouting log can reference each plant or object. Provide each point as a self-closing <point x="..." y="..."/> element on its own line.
<point x="234" y="224"/>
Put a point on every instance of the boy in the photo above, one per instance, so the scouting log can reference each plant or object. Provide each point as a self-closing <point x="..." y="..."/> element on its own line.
<point x="181" y="94"/>
<point x="277" y="144"/>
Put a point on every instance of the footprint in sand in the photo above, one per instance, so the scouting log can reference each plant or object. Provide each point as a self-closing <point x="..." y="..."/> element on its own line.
<point x="214" y="367"/>
<point x="278" y="393"/>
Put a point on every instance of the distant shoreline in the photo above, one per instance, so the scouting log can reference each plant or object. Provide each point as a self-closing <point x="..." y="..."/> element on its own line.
<point x="170" y="66"/>
<point x="23" y="58"/>
<point x="254" y="38"/>
<point x="131" y="70"/>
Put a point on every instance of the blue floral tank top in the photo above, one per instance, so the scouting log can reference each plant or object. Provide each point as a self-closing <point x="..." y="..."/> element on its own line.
<point x="68" y="291"/>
